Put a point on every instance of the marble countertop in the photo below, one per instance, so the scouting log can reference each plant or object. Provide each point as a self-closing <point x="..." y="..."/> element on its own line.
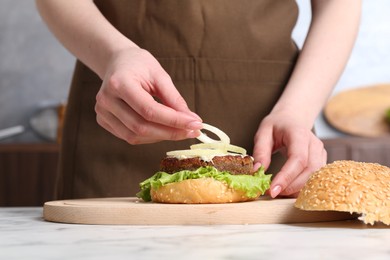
<point x="25" y="235"/>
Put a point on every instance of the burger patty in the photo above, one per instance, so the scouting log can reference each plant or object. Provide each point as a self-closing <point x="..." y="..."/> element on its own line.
<point x="235" y="164"/>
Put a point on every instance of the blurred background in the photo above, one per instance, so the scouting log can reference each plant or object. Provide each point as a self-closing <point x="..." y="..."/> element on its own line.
<point x="35" y="70"/>
<point x="35" y="74"/>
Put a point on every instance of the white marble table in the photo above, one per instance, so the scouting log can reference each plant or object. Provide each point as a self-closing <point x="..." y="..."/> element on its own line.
<point x="25" y="235"/>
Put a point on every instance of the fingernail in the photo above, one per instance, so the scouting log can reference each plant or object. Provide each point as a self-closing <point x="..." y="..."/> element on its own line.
<point x="193" y="134"/>
<point x="256" y="166"/>
<point x="275" y="191"/>
<point x="195" y="125"/>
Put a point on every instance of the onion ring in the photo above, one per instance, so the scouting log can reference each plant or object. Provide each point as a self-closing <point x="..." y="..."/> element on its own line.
<point x="224" y="138"/>
<point x="220" y="146"/>
<point x="210" y="147"/>
<point x="196" y="152"/>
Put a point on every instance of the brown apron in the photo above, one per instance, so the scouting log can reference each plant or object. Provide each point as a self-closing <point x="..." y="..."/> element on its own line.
<point x="229" y="59"/>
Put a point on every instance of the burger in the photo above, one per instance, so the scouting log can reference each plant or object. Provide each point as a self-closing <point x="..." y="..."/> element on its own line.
<point x="355" y="187"/>
<point x="213" y="171"/>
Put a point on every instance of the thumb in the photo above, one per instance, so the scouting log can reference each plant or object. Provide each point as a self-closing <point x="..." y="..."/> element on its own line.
<point x="170" y="96"/>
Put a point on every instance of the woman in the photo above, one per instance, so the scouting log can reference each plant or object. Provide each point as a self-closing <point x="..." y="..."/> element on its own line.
<point x="154" y="70"/>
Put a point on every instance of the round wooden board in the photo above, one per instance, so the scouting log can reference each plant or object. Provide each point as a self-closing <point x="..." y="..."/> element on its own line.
<point x="132" y="211"/>
<point x="361" y="111"/>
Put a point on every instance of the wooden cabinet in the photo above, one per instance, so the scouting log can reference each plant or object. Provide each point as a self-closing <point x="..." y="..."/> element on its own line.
<point x="27" y="173"/>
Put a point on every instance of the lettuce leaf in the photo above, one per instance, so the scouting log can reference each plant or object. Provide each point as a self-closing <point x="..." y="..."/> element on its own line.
<point x="250" y="184"/>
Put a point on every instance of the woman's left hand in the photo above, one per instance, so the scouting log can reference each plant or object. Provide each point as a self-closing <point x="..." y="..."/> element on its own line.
<point x="320" y="63"/>
<point x="305" y="152"/>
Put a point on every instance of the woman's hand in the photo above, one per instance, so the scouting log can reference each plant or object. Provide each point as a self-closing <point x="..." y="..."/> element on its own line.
<point x="131" y="76"/>
<point x="125" y="105"/>
<point x="287" y="128"/>
<point x="305" y="152"/>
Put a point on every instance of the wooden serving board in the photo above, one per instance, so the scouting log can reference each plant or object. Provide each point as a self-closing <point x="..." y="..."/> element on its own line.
<point x="132" y="211"/>
<point x="360" y="111"/>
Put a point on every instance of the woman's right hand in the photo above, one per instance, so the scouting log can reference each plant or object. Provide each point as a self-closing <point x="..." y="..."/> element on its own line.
<point x="131" y="76"/>
<point x="125" y="104"/>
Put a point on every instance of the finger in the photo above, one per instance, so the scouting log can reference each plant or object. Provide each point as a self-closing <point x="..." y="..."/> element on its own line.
<point x="114" y="126"/>
<point x="144" y="129"/>
<point x="104" y="124"/>
<point x="150" y="110"/>
<point x="297" y="184"/>
<point x="134" y="129"/>
<point x="169" y="95"/>
<point x="297" y="158"/>
<point x="315" y="162"/>
<point x="262" y="150"/>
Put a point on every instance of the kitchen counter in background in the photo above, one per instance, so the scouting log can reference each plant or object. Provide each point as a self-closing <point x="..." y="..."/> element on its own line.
<point x="24" y="235"/>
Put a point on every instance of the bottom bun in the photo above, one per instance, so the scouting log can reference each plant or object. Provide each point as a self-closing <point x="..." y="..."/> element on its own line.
<point x="198" y="191"/>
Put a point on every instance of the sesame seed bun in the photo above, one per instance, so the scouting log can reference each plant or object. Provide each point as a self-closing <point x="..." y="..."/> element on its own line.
<point x="198" y="191"/>
<point x="349" y="186"/>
